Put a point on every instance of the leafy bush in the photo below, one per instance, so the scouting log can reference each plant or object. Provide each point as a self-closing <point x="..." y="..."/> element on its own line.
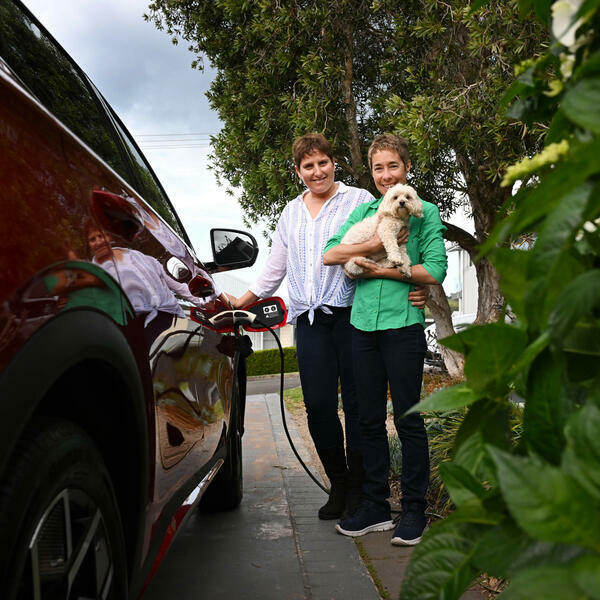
<point x="531" y="512"/>
<point x="268" y="362"/>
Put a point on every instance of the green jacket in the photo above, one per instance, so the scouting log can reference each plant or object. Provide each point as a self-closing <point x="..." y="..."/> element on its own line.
<point x="383" y="303"/>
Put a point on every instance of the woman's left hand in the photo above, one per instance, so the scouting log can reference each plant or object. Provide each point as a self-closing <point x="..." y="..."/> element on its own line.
<point x="371" y="270"/>
<point x="419" y="296"/>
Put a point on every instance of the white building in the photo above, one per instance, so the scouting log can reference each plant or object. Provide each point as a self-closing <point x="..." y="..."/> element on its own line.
<point x="466" y="278"/>
<point x="461" y="277"/>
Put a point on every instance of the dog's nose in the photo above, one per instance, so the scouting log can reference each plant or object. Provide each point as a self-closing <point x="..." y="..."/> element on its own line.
<point x="402" y="203"/>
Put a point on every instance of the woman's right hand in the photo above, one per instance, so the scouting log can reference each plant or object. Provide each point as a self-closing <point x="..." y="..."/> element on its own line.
<point x="233" y="300"/>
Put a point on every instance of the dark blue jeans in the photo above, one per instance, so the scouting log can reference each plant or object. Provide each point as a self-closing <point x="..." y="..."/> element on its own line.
<point x="395" y="356"/>
<point x="324" y="351"/>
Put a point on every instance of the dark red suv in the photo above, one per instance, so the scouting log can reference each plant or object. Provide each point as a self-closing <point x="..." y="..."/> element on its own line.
<point x="121" y="399"/>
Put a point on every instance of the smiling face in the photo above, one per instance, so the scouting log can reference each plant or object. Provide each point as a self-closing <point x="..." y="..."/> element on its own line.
<point x="99" y="244"/>
<point x="317" y="172"/>
<point x="388" y="169"/>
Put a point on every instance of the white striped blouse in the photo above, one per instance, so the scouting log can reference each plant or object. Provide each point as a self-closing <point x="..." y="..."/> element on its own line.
<point x="297" y="251"/>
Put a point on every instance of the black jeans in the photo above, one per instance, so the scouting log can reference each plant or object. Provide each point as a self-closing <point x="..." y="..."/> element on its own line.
<point x="394" y="355"/>
<point x="324" y="351"/>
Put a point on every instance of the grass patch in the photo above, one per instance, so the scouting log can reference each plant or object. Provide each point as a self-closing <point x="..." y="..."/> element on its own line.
<point x="372" y="572"/>
<point x="293" y="399"/>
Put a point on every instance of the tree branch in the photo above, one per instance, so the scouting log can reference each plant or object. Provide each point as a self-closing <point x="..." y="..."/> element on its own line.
<point x="463" y="238"/>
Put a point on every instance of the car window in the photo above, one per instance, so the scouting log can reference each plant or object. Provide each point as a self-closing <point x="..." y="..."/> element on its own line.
<point x="147" y="184"/>
<point x="51" y="77"/>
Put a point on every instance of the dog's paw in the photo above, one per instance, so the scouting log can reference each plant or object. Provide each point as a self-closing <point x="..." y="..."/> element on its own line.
<point x="404" y="268"/>
<point x="352" y="269"/>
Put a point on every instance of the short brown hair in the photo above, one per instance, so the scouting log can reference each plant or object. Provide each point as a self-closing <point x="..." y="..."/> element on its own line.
<point x="309" y="143"/>
<point x="389" y="141"/>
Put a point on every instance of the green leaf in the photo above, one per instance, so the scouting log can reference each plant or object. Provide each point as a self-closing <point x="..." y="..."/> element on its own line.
<point x="440" y="565"/>
<point x="449" y="398"/>
<point x="461" y="485"/>
<point x="559" y="228"/>
<point x="542" y="10"/>
<point x="505" y="549"/>
<point x="546" y="502"/>
<point x="560" y="128"/>
<point x="587" y="6"/>
<point x="531" y="352"/>
<point x="516" y="89"/>
<point x="590" y="66"/>
<point x="579" y="298"/>
<point x="543" y="291"/>
<point x="473" y="457"/>
<point x="581" y="458"/>
<point x="547" y="582"/>
<point x="586" y="572"/>
<point x="512" y="266"/>
<point x="488" y="418"/>
<point x="477" y="4"/>
<point x="584" y="338"/>
<point x="497" y="548"/>
<point x="581" y="104"/>
<point x="534" y="204"/>
<point x="496" y="347"/>
<point x="490" y="351"/>
<point x="545" y="413"/>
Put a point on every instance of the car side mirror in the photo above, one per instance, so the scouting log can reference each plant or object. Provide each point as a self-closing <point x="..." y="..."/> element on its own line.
<point x="232" y="249"/>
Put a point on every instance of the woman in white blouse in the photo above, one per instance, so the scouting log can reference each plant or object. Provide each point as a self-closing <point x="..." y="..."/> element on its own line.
<point x="320" y="303"/>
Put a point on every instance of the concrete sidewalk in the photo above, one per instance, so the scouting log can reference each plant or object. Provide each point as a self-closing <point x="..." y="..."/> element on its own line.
<point x="273" y="547"/>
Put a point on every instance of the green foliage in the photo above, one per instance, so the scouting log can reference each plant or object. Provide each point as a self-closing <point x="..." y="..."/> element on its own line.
<point x="268" y="362"/>
<point x="429" y="70"/>
<point x="530" y="512"/>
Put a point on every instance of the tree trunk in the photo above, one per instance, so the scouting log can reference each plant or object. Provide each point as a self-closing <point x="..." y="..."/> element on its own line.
<point x="360" y="175"/>
<point x="442" y="315"/>
<point x="485" y="197"/>
<point x="490" y="299"/>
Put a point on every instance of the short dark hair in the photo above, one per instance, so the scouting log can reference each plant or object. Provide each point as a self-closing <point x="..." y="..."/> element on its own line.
<point x="389" y="141"/>
<point x="309" y="143"/>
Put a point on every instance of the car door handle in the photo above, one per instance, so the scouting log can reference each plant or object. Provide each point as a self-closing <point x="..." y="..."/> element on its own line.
<point x="116" y="214"/>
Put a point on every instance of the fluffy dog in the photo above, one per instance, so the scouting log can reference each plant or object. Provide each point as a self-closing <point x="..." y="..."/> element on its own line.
<point x="391" y="217"/>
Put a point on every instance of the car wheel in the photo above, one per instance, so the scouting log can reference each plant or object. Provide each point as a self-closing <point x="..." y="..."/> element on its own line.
<point x="59" y="522"/>
<point x="227" y="489"/>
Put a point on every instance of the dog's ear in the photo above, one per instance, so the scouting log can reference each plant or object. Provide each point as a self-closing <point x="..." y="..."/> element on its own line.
<point x="386" y="206"/>
<point x="415" y="207"/>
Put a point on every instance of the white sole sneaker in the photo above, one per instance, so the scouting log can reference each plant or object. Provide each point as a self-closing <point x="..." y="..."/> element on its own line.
<point x="398" y="541"/>
<point x="383" y="526"/>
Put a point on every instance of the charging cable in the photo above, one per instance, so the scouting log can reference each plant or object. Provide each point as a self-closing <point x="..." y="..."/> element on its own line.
<point x="243" y="317"/>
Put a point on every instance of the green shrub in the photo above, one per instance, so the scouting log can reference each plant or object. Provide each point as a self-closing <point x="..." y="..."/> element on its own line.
<point x="268" y="362"/>
<point x="530" y="512"/>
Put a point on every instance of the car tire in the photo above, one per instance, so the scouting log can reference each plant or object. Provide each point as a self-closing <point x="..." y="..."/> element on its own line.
<point x="226" y="490"/>
<point x="59" y="520"/>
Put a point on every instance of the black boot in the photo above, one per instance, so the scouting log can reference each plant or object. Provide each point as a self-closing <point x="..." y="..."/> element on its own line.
<point x="356" y="474"/>
<point x="334" y="461"/>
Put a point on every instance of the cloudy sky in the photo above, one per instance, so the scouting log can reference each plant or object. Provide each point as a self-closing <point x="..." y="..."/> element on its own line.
<point x="152" y="87"/>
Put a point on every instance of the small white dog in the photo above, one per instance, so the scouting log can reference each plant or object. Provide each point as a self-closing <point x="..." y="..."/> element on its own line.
<point x="391" y="217"/>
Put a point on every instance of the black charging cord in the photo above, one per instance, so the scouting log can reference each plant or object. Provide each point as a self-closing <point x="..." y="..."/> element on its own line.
<point x="282" y="406"/>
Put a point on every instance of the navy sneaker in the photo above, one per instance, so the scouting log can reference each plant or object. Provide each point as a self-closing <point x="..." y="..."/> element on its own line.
<point x="365" y="519"/>
<point x="410" y="529"/>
